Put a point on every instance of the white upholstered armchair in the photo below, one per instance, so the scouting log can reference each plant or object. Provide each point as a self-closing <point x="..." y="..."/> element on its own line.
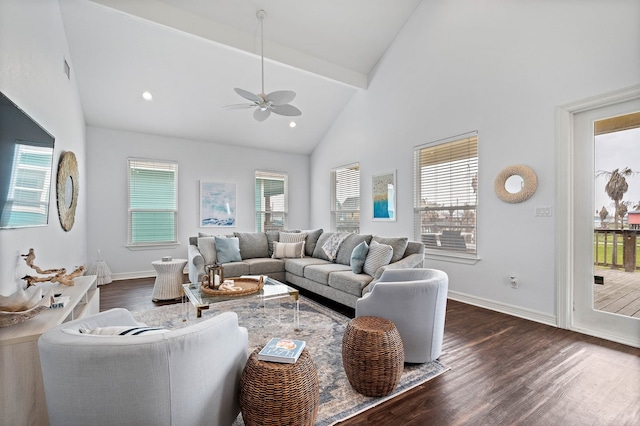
<point x="415" y="300"/>
<point x="183" y="377"/>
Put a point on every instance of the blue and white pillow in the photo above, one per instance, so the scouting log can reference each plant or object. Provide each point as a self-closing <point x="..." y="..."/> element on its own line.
<point x="358" y="257"/>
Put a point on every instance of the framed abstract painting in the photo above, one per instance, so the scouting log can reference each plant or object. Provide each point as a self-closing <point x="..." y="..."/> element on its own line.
<point x="384" y="196"/>
<point x="217" y="204"/>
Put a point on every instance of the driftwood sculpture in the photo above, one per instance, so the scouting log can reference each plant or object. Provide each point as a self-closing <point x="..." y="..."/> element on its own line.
<point x="59" y="275"/>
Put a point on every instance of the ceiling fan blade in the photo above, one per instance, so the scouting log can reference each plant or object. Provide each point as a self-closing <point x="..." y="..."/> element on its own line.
<point x="280" y="97"/>
<point x="239" y="106"/>
<point x="288" y="110"/>
<point x="249" y="95"/>
<point x="261" y="114"/>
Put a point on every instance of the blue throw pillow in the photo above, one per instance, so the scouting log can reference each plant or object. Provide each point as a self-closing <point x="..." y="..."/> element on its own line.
<point x="358" y="256"/>
<point x="228" y="249"/>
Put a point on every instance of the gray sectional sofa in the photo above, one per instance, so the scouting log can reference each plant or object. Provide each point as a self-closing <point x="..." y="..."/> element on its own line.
<point x="329" y="274"/>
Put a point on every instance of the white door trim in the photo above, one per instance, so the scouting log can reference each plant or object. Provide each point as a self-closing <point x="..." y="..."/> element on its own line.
<point x="565" y="199"/>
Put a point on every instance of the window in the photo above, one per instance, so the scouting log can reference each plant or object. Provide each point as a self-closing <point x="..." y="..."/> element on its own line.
<point x="271" y="201"/>
<point x="153" y="194"/>
<point x="446" y="195"/>
<point x="345" y="198"/>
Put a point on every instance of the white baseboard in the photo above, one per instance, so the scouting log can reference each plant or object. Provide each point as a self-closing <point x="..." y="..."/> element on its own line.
<point x="625" y="340"/>
<point x="516" y="311"/>
<point x="140" y="274"/>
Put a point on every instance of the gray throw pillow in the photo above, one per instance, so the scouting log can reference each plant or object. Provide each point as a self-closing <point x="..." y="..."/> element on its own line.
<point x="207" y="247"/>
<point x="253" y="244"/>
<point x="399" y="246"/>
<point x="379" y="255"/>
<point x="312" y="239"/>
<point x="358" y="257"/>
<point x="228" y="249"/>
<point x="346" y="247"/>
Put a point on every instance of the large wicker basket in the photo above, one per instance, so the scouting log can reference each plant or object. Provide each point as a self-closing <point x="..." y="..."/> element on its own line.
<point x="275" y="394"/>
<point x="372" y="355"/>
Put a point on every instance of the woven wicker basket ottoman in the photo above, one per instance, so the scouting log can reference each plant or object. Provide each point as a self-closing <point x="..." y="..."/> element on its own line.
<point x="372" y="355"/>
<point x="277" y="394"/>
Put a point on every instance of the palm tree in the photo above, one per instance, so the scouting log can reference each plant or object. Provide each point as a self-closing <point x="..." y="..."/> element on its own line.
<point x="603" y="215"/>
<point x="616" y="188"/>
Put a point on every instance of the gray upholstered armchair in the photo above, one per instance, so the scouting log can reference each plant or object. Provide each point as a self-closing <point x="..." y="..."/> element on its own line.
<point x="182" y="377"/>
<point x="416" y="301"/>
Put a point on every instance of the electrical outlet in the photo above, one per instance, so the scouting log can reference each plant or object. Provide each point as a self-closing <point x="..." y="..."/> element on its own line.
<point x="514" y="282"/>
<point x="542" y="211"/>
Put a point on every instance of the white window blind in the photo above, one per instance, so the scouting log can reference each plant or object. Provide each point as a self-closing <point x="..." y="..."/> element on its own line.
<point x="271" y="201"/>
<point x="345" y="198"/>
<point x="446" y="194"/>
<point x="153" y="206"/>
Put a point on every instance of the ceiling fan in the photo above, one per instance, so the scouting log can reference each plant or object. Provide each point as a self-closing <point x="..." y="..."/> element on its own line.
<point x="264" y="104"/>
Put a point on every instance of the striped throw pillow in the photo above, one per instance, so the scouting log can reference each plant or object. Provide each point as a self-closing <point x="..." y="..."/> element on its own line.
<point x="292" y="237"/>
<point x="378" y="255"/>
<point x="288" y="250"/>
<point x="124" y="330"/>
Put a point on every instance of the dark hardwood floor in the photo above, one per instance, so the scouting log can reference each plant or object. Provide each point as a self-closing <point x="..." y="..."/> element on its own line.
<point x="504" y="371"/>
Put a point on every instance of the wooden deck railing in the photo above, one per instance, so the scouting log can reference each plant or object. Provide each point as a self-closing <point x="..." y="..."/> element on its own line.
<point x="617" y="248"/>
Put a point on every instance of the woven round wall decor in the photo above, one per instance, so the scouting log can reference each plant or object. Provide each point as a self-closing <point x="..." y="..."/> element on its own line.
<point x="529" y="185"/>
<point x="67" y="187"/>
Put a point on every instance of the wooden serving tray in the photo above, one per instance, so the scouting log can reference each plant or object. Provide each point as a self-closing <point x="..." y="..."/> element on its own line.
<point x="243" y="287"/>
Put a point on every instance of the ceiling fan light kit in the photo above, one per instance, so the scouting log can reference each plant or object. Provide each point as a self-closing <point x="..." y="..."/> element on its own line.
<point x="264" y="104"/>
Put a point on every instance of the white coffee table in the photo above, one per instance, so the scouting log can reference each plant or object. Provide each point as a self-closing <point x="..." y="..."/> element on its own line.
<point x="169" y="277"/>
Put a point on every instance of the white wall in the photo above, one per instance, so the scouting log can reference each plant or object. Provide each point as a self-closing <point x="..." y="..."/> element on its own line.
<point x="32" y="49"/>
<point x="107" y="153"/>
<point x="500" y="68"/>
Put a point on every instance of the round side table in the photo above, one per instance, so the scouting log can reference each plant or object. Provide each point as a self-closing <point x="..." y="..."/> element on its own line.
<point x="168" y="285"/>
<point x="372" y="355"/>
<point x="275" y="394"/>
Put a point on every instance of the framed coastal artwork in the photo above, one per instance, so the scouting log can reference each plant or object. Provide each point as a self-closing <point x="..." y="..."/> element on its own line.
<point x="217" y="204"/>
<point x="384" y="196"/>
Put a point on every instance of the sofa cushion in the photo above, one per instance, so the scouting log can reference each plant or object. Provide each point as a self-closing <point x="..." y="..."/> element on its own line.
<point x="320" y="273"/>
<point x="228" y="249"/>
<point x="296" y="266"/>
<point x="399" y="246"/>
<point x="358" y="256"/>
<point x="288" y="250"/>
<point x="349" y="282"/>
<point x="252" y="244"/>
<point x="264" y="266"/>
<point x="379" y="255"/>
<point x="347" y="246"/>
<point x="312" y="240"/>
<point x="318" y="252"/>
<point x="236" y="269"/>
<point x="207" y="247"/>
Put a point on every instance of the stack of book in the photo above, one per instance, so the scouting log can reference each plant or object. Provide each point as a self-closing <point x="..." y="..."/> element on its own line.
<point x="282" y="350"/>
<point x="60" y="301"/>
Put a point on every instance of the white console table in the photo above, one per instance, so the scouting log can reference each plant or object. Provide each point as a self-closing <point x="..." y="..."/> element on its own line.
<point x="21" y="390"/>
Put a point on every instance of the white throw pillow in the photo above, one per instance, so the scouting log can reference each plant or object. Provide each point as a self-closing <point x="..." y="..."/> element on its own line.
<point x="288" y="250"/>
<point x="378" y="255"/>
<point x="124" y="330"/>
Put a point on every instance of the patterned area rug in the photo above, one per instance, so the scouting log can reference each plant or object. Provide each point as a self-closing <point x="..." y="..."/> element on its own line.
<point x="320" y="327"/>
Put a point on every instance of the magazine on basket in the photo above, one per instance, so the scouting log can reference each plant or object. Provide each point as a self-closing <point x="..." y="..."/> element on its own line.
<point x="282" y="350"/>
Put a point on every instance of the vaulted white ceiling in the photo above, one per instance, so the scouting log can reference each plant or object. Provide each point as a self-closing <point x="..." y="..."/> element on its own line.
<point x="190" y="54"/>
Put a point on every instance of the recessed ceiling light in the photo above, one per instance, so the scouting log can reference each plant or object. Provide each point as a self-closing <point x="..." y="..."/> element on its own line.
<point x="292" y="124"/>
<point x="147" y="96"/>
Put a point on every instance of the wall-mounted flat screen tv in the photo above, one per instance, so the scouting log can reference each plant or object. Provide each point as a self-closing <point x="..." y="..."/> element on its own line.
<point x="26" y="168"/>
